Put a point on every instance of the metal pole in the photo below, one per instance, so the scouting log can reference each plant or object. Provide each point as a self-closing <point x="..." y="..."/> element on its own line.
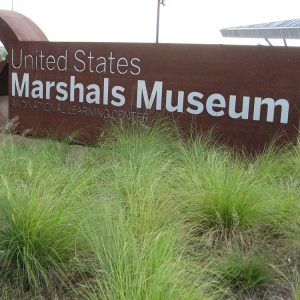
<point x="268" y="42"/>
<point x="159" y="2"/>
<point x="12" y="5"/>
<point x="157" y="20"/>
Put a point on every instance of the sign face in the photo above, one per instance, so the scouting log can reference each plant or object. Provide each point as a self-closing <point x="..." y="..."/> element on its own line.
<point x="246" y="94"/>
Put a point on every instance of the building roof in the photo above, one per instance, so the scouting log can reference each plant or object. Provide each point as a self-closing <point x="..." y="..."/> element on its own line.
<point x="289" y="29"/>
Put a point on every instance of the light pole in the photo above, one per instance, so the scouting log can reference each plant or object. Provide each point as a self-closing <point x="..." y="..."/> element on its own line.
<point x="159" y="3"/>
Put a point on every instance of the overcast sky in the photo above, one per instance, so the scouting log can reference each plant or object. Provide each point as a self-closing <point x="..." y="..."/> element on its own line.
<point x="182" y="21"/>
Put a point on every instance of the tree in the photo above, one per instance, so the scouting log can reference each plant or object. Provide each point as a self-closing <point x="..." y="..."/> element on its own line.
<point x="3" y="54"/>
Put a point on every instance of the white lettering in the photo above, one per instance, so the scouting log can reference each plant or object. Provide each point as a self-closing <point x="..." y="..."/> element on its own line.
<point x="15" y="85"/>
<point x="73" y="87"/>
<point x="215" y="100"/>
<point x="180" y="99"/>
<point x="244" y="114"/>
<point x="142" y="94"/>
<point x="119" y="96"/>
<point x="38" y="89"/>
<point x="80" y="61"/>
<point x="192" y="100"/>
<point x="271" y="104"/>
<point x="60" y="87"/>
<point x="93" y="96"/>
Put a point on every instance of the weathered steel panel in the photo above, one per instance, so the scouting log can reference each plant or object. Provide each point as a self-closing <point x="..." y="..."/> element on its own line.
<point x="247" y="94"/>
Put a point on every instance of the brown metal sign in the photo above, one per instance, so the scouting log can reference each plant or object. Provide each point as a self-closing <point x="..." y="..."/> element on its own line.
<point x="247" y="94"/>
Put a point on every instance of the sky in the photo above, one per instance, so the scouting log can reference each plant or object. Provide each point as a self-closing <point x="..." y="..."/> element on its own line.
<point x="188" y="21"/>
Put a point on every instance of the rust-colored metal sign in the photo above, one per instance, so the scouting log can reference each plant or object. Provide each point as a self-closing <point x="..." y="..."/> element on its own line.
<point x="247" y="94"/>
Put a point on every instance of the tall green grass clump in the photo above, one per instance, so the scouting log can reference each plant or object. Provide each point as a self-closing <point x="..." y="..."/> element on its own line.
<point x="296" y="286"/>
<point x="146" y="214"/>
<point x="41" y="200"/>
<point x="243" y="272"/>
<point x="277" y="171"/>
<point x="217" y="194"/>
<point x="140" y="172"/>
<point x="136" y="235"/>
<point x="139" y="267"/>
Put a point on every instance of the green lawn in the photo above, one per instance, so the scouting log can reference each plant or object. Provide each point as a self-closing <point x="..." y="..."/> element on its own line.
<point x="147" y="215"/>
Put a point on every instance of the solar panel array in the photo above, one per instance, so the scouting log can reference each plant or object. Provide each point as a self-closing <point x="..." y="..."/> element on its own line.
<point x="288" y="29"/>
